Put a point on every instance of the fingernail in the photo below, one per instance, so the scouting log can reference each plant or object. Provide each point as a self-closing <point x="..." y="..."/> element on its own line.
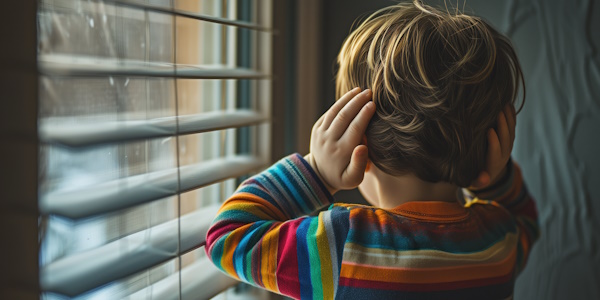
<point x="370" y="104"/>
<point x="367" y="91"/>
<point x="355" y="89"/>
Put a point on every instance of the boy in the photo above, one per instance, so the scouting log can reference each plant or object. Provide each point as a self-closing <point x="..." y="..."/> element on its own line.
<point x="442" y="117"/>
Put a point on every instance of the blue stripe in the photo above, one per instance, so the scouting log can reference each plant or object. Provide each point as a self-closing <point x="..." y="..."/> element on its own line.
<point x="218" y="247"/>
<point x="303" y="260"/>
<point x="496" y="291"/>
<point x="317" y="179"/>
<point x="290" y="183"/>
<point x="340" y="221"/>
<point x="399" y="242"/>
<point x="289" y="208"/>
<point x="259" y="186"/>
<point x="236" y="215"/>
<point x="288" y="171"/>
<point x="255" y="190"/>
<point x="296" y="182"/>
<point x="296" y="197"/>
<point x="305" y="186"/>
<point x="250" y="238"/>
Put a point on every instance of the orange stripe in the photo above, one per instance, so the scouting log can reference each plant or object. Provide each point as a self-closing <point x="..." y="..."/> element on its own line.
<point x="248" y="207"/>
<point x="429" y="275"/>
<point x="425" y="210"/>
<point x="268" y="258"/>
<point x="232" y="240"/>
<point x="432" y="210"/>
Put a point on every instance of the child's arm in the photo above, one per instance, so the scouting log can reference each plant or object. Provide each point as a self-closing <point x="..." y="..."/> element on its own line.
<point x="503" y="183"/>
<point x="261" y="235"/>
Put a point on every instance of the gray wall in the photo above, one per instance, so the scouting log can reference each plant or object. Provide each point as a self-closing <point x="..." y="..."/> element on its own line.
<point x="558" y="131"/>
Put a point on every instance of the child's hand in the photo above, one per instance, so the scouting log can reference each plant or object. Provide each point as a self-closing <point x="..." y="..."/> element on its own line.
<point x="500" y="145"/>
<point x="335" y="150"/>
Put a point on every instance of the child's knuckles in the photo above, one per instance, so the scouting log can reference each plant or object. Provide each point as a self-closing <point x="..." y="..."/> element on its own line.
<point x="321" y="138"/>
<point x="314" y="133"/>
<point x="354" y="129"/>
<point x="343" y="116"/>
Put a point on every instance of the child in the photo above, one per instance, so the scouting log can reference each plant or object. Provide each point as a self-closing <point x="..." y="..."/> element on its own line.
<point x="442" y="118"/>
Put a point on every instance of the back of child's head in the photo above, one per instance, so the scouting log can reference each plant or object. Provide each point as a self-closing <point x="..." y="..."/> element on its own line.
<point x="439" y="81"/>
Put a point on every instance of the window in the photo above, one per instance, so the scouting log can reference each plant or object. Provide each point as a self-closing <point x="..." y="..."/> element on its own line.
<point x="148" y="112"/>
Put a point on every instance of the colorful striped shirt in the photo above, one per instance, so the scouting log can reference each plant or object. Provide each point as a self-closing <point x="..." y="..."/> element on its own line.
<point x="474" y="249"/>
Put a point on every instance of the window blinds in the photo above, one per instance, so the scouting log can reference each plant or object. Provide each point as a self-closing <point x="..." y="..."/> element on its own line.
<point x="79" y="137"/>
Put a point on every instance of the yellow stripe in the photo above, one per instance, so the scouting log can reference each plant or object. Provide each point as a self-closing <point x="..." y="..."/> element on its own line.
<point x="354" y="253"/>
<point x="249" y="208"/>
<point x="253" y="200"/>
<point x="430" y="275"/>
<point x="326" y="268"/>
<point x="268" y="258"/>
<point x="232" y="240"/>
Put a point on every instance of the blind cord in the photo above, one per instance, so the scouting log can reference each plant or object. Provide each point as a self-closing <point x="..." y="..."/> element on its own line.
<point x="174" y="28"/>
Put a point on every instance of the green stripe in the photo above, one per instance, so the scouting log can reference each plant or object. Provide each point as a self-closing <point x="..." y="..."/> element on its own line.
<point x="315" y="262"/>
<point x="248" y="269"/>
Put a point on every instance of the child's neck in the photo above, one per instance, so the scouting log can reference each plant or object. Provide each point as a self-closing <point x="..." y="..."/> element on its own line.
<point x="387" y="191"/>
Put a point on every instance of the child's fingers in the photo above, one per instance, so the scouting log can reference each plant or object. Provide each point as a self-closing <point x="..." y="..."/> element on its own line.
<point x="503" y="134"/>
<point x="348" y="114"/>
<point x="356" y="130"/>
<point x="511" y="119"/>
<point x="494" y="150"/>
<point x="319" y="121"/>
<point x="355" y="172"/>
<point x="337" y="106"/>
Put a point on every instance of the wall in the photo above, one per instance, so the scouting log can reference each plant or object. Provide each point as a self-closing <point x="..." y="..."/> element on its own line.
<point x="557" y="144"/>
<point x="18" y="151"/>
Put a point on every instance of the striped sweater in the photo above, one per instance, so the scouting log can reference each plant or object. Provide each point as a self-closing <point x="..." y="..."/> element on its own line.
<point x="263" y="235"/>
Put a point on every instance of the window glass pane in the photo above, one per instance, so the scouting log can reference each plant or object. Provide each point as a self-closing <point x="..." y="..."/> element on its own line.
<point x="96" y="29"/>
<point x="205" y="95"/>
<point x="109" y="98"/>
<point x="213" y="8"/>
<point x="197" y="148"/>
<point x="122" y="288"/>
<point x="70" y="29"/>
<point x="94" y="33"/>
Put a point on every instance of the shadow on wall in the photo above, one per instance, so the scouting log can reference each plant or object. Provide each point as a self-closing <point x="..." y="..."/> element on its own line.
<point x="557" y="141"/>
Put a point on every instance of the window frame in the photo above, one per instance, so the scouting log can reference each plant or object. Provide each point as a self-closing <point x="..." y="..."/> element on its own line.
<point x="33" y="143"/>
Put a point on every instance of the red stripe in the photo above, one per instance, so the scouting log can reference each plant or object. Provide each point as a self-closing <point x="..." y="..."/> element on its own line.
<point x="287" y="260"/>
<point x="424" y="287"/>
<point x="255" y="269"/>
<point x="215" y="232"/>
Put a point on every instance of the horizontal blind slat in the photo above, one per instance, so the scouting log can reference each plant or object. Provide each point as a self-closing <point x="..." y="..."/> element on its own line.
<point x="200" y="280"/>
<point x="188" y="14"/>
<point x="80" y="134"/>
<point x="126" y="192"/>
<point x="83" y="271"/>
<point x="72" y="65"/>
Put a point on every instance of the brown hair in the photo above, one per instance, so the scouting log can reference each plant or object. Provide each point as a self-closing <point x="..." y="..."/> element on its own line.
<point x="439" y="81"/>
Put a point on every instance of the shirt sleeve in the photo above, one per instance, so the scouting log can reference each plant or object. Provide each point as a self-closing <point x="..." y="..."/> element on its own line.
<point x="261" y="235"/>
<point x="511" y="193"/>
